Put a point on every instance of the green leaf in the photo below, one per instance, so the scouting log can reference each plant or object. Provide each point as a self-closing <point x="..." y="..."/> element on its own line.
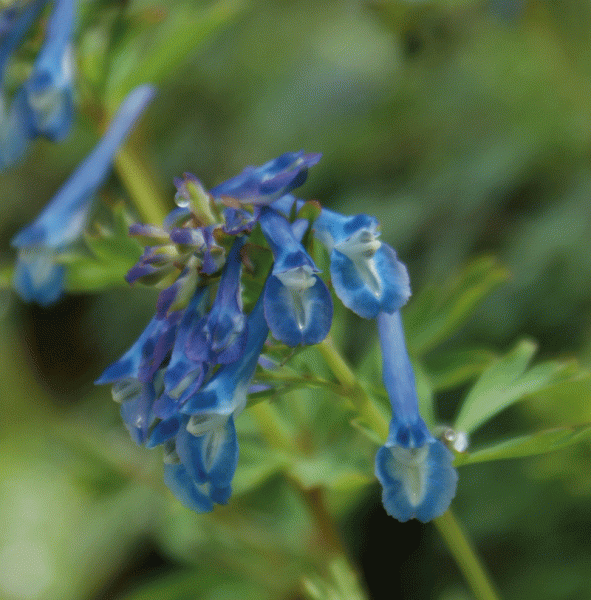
<point x="327" y="470"/>
<point x="505" y="382"/>
<point x="450" y="369"/>
<point x="438" y="311"/>
<point x="342" y="583"/>
<point x="114" y="253"/>
<point x="150" y="56"/>
<point x="528" y="445"/>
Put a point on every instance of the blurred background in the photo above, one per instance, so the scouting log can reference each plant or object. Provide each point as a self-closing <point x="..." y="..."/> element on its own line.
<point x="465" y="127"/>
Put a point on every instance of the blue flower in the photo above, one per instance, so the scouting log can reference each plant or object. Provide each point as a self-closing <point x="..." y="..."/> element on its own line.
<point x="365" y="272"/>
<point x="38" y="275"/>
<point x="201" y="443"/>
<point x="183" y="375"/>
<point x="298" y="306"/>
<point x="225" y="393"/>
<point x="220" y="336"/>
<point x="264" y="184"/>
<point x="199" y="469"/>
<point x="48" y="90"/>
<point x="414" y="468"/>
<point x="137" y="376"/>
<point x="14" y="115"/>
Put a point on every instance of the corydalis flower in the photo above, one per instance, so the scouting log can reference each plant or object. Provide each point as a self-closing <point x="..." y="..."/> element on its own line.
<point x="14" y="114"/>
<point x="365" y="272"/>
<point x="225" y="393"/>
<point x="298" y="306"/>
<point x="414" y="468"/>
<point x="48" y="90"/>
<point x="220" y="337"/>
<point x="201" y="446"/>
<point x="262" y="185"/>
<point x="137" y="378"/>
<point x="38" y="276"/>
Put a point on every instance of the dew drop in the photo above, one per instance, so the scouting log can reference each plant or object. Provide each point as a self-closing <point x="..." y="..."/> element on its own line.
<point x="181" y="202"/>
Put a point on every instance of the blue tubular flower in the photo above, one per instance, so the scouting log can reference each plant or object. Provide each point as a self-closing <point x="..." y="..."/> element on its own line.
<point x="413" y="467"/>
<point x="221" y="335"/>
<point x="38" y="277"/>
<point x="137" y="377"/>
<point x="264" y="184"/>
<point x="183" y="375"/>
<point x="365" y="272"/>
<point x="14" y="116"/>
<point x="298" y="306"/>
<point x="210" y="458"/>
<point x="48" y="90"/>
<point x="201" y="444"/>
<point x="225" y="393"/>
<point x="199" y="470"/>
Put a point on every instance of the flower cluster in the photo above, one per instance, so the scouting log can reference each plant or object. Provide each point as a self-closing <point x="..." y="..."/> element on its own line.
<point x="43" y="104"/>
<point x="39" y="275"/>
<point x="234" y="267"/>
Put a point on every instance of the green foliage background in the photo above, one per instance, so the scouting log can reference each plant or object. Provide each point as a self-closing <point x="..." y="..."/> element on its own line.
<point x="465" y="128"/>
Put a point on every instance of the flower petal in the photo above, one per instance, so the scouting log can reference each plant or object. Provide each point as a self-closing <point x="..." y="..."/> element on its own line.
<point x="267" y="183"/>
<point x="418" y="483"/>
<point x="297" y="314"/>
<point x="190" y="494"/>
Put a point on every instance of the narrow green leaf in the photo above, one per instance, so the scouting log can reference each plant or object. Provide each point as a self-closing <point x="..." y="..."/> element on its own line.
<point x="506" y="381"/>
<point x="528" y="445"/>
<point x="114" y="253"/>
<point x="149" y="56"/>
<point x="341" y="583"/>
<point x="437" y="312"/>
<point x="450" y="369"/>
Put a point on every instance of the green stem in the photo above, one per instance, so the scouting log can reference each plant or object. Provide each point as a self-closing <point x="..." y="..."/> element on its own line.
<point x="465" y="556"/>
<point x="272" y="427"/>
<point x="363" y="403"/>
<point x="142" y="185"/>
<point x="329" y="544"/>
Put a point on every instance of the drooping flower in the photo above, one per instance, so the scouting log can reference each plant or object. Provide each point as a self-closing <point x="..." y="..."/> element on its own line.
<point x="199" y="470"/>
<point x="14" y="113"/>
<point x="202" y="446"/>
<point x="49" y="88"/>
<point x="137" y="377"/>
<point x="220" y="336"/>
<point x="298" y="306"/>
<point x="365" y="272"/>
<point x="183" y="375"/>
<point x="39" y="277"/>
<point x="414" y="468"/>
<point x="225" y="393"/>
